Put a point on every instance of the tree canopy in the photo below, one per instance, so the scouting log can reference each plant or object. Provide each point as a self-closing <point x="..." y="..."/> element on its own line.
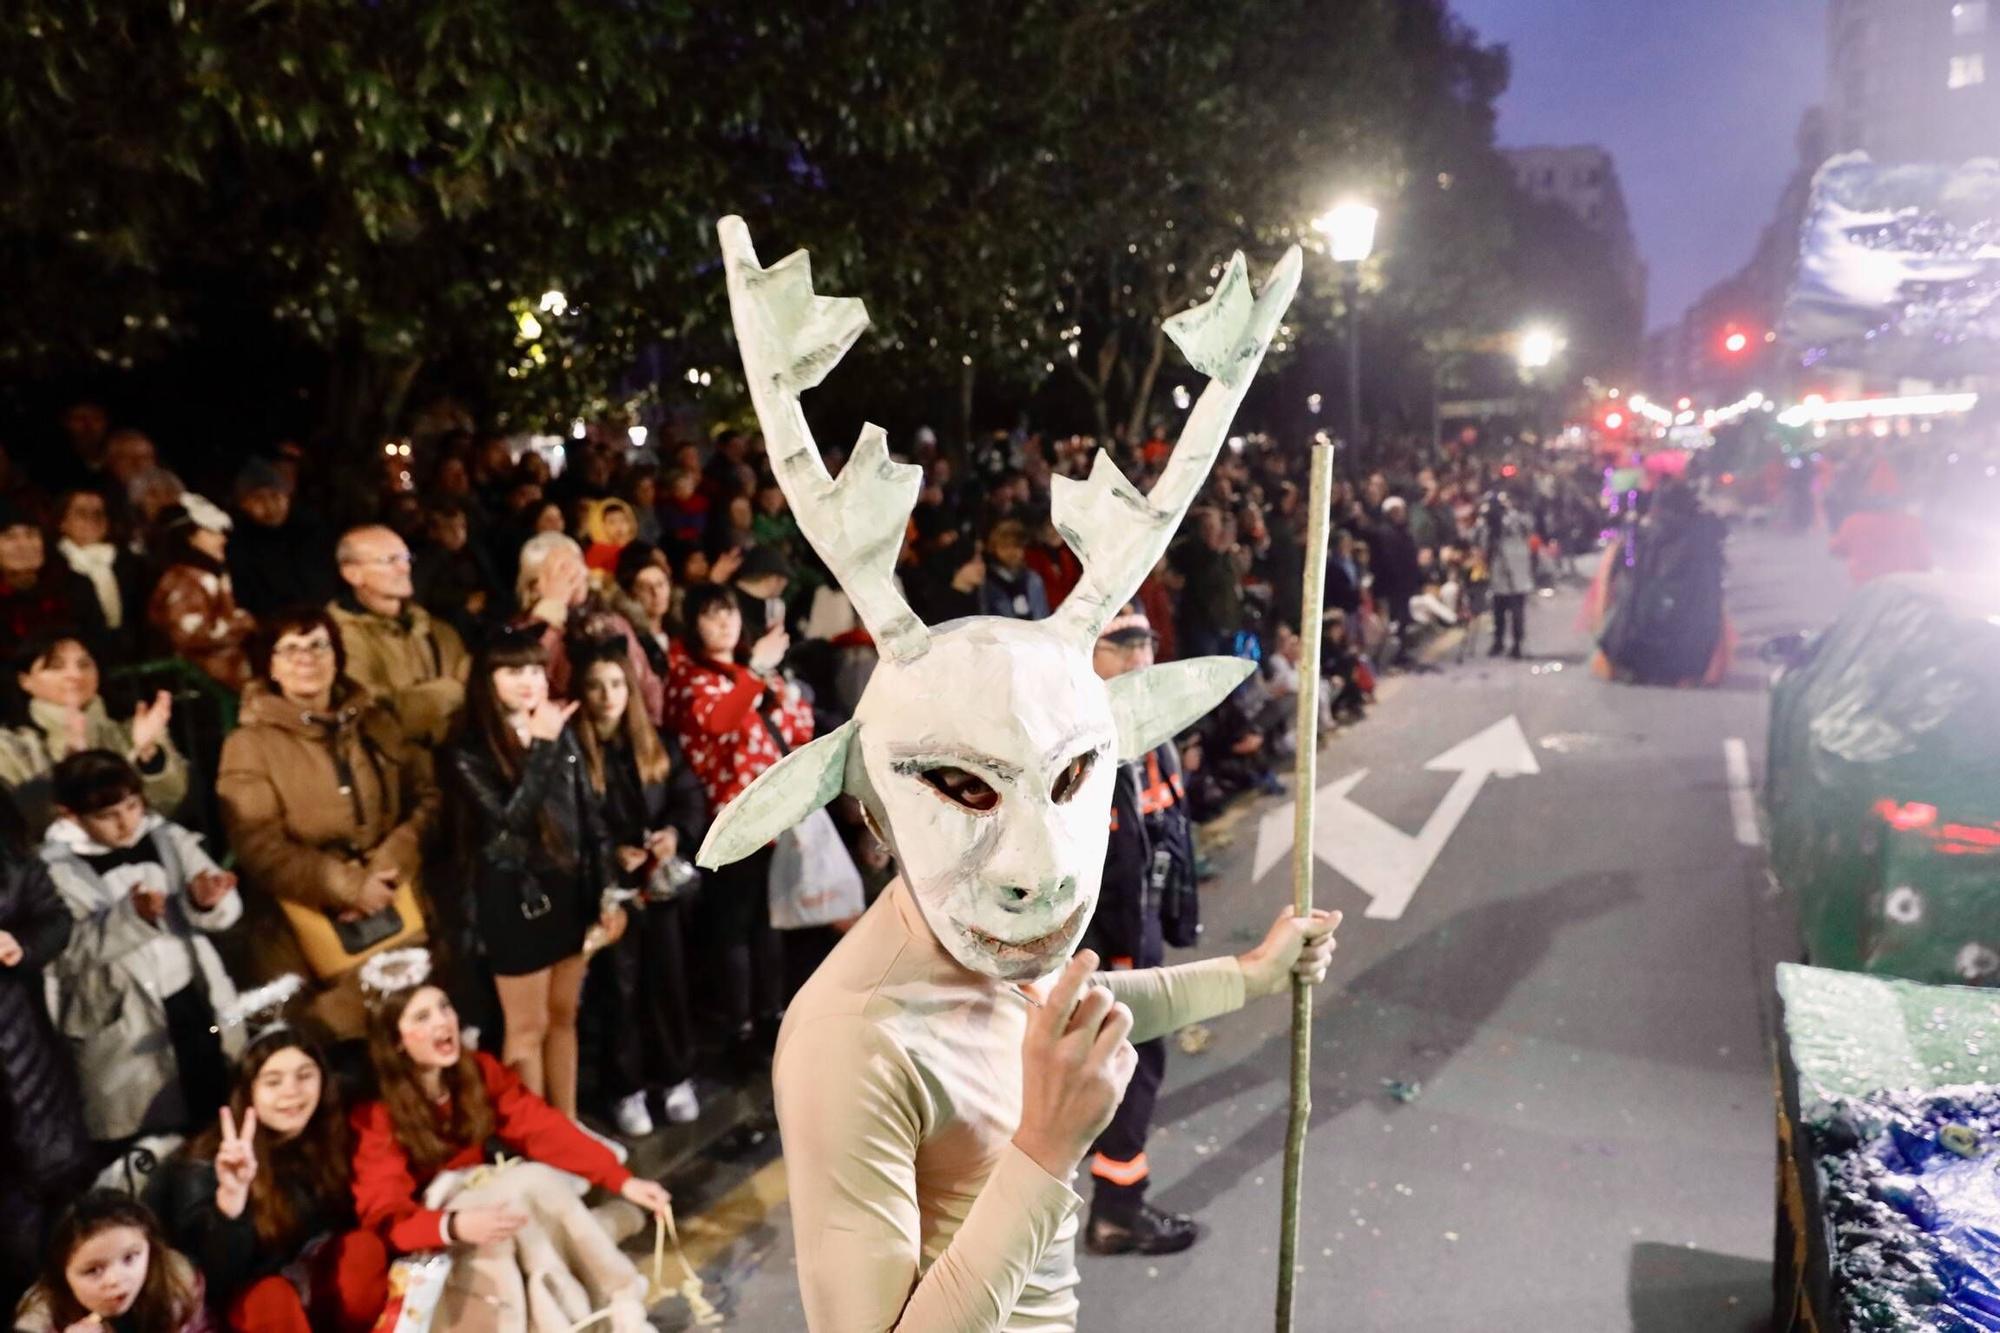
<point x="1021" y="190"/>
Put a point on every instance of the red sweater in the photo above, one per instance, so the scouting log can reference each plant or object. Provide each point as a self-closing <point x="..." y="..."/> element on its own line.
<point x="387" y="1187"/>
<point x="716" y="707"/>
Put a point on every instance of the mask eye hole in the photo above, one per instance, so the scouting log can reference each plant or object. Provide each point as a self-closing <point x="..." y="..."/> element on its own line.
<point x="1070" y="781"/>
<point x="962" y="788"/>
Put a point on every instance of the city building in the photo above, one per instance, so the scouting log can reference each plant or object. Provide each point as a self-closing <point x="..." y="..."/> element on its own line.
<point x="1914" y="80"/>
<point x="1583" y="180"/>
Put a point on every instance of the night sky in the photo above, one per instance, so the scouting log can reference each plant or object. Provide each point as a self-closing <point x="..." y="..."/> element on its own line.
<point x="1698" y="101"/>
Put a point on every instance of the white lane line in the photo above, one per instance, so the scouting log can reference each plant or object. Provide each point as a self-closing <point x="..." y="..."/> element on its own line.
<point x="1742" y="803"/>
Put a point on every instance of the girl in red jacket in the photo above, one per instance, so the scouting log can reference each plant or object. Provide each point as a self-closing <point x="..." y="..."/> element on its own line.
<point x="440" y="1104"/>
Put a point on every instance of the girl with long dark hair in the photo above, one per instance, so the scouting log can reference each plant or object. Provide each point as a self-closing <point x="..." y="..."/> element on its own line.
<point x="536" y="844"/>
<point x="263" y="1200"/>
<point x="440" y="1103"/>
<point x="109" y="1267"/>
<point x="653" y="810"/>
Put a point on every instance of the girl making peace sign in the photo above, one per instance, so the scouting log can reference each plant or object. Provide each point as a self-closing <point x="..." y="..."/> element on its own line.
<point x="263" y="1200"/>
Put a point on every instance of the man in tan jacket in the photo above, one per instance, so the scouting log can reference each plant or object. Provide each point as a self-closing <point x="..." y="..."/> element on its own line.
<point x="414" y="663"/>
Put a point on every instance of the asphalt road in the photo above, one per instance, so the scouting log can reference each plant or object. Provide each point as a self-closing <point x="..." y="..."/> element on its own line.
<point x="1574" y="1004"/>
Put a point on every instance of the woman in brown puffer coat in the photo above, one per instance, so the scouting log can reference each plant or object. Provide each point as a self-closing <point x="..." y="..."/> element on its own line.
<point x="326" y="804"/>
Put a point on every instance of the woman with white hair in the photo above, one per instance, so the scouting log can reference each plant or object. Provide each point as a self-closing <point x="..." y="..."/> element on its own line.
<point x="553" y="590"/>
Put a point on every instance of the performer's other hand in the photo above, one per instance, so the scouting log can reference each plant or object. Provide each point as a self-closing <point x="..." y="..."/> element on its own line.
<point x="1295" y="946"/>
<point x="1075" y="1063"/>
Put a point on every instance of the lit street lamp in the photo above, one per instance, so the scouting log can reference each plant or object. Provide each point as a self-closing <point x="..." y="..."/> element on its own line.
<point x="1535" y="349"/>
<point x="1349" y="229"/>
<point x="1538" y="348"/>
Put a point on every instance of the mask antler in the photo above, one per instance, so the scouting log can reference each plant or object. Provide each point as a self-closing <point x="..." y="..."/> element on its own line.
<point x="1119" y="534"/>
<point x="789" y="339"/>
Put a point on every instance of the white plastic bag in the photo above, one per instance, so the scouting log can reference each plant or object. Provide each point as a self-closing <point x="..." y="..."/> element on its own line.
<point x="813" y="879"/>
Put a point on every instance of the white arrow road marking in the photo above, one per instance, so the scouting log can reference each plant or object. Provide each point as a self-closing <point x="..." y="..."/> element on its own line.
<point x="1384" y="862"/>
<point x="1742" y="802"/>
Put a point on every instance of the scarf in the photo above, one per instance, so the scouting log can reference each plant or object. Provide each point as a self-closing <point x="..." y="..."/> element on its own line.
<point x="96" y="562"/>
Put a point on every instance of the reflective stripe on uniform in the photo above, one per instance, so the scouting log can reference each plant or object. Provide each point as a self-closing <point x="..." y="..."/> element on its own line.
<point x="1119" y="1173"/>
<point x="1158" y="794"/>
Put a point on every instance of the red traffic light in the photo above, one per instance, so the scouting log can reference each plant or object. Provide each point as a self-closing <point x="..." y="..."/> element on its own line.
<point x="1735" y="341"/>
<point x="1614" y="420"/>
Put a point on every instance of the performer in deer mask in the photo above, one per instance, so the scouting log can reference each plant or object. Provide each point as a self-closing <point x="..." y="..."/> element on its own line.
<point x="946" y="1068"/>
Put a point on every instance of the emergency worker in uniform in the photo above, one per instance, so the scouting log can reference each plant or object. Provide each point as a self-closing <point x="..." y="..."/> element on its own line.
<point x="1147" y="903"/>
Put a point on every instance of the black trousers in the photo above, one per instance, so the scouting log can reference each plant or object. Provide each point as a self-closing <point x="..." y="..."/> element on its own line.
<point x="638" y="993"/>
<point x="743" y="962"/>
<point x="1118" y="1170"/>
<point x="204" y="1072"/>
<point x="1509" y="606"/>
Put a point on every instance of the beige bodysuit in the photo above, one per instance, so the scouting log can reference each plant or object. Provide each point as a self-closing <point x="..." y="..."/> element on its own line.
<point x="898" y="1080"/>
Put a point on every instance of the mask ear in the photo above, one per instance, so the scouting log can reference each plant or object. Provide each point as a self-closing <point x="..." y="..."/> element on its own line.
<point x="1151" y="705"/>
<point x="783" y="794"/>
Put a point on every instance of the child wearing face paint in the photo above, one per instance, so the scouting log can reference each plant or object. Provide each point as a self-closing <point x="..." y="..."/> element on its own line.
<point x="109" y="1268"/>
<point x="263" y="1199"/>
<point x="440" y="1105"/>
<point x="139" y="984"/>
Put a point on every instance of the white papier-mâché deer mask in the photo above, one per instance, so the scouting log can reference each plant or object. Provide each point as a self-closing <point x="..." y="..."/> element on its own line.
<point x="984" y="749"/>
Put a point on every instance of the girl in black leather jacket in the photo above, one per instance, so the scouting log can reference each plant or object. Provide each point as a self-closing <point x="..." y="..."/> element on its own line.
<point x="537" y="847"/>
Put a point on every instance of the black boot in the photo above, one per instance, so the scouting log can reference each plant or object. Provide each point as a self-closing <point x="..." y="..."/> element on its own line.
<point x="1146" y="1231"/>
<point x="1495" y="650"/>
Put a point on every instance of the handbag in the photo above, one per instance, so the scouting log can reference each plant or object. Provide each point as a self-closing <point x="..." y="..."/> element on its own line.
<point x="813" y="880"/>
<point x="332" y="947"/>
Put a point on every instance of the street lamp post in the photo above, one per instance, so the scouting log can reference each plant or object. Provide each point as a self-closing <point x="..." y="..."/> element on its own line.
<point x="1349" y="229"/>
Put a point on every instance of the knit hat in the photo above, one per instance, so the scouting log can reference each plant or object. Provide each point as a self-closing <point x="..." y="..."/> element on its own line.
<point x="1128" y="628"/>
<point x="759" y="561"/>
<point x="261" y="474"/>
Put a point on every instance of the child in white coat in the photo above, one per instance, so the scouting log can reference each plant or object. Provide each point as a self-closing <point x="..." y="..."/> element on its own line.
<point x="138" y="987"/>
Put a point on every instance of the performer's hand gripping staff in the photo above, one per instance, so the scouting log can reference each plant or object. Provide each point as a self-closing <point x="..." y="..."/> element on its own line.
<point x="1076" y="1061"/>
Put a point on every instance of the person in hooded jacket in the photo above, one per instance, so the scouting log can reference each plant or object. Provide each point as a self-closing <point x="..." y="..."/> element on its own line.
<point x="140" y="983"/>
<point x="326" y="801"/>
<point x="44" y="1150"/>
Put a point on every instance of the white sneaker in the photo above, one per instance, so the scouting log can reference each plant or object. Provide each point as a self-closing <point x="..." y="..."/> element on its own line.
<point x="683" y="1107"/>
<point x="634" y="1120"/>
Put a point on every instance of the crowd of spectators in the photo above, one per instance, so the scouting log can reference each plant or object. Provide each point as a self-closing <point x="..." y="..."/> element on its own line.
<point x="240" y="741"/>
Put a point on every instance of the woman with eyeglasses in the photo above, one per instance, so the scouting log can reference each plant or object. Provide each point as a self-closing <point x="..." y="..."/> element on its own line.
<point x="326" y="802"/>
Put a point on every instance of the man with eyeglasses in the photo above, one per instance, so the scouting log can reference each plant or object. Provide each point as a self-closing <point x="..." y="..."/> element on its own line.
<point x="405" y="656"/>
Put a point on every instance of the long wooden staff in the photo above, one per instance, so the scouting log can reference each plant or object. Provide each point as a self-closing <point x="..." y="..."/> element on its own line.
<point x="1305" y="786"/>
